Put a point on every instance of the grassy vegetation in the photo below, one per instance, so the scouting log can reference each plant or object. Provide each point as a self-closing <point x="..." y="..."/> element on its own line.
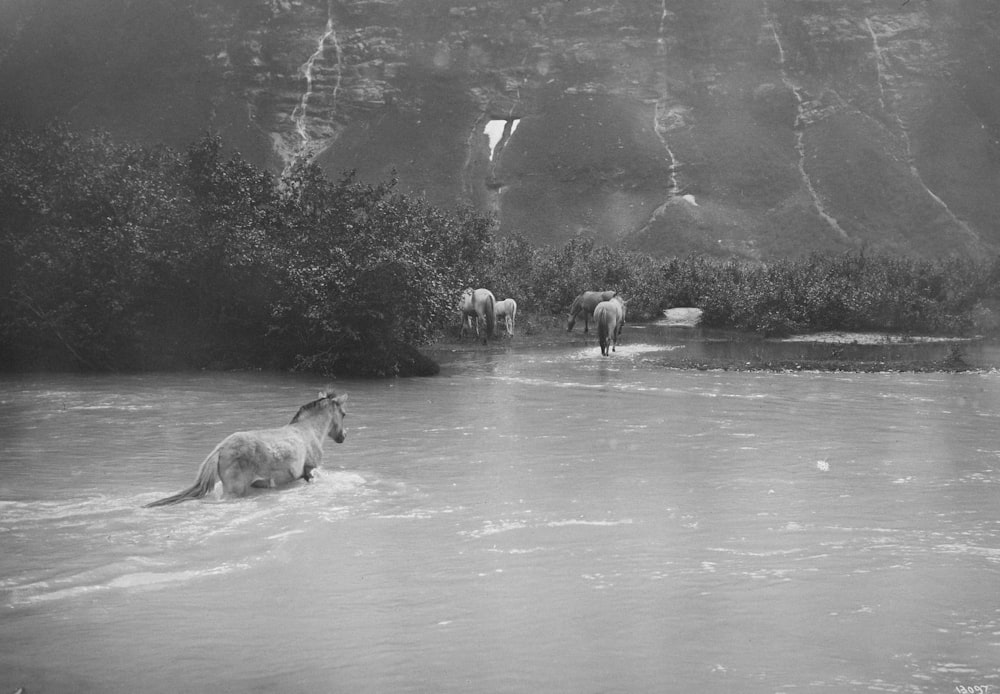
<point x="114" y="257"/>
<point x="853" y="291"/>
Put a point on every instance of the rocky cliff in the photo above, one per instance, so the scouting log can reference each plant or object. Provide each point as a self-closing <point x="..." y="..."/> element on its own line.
<point x="758" y="128"/>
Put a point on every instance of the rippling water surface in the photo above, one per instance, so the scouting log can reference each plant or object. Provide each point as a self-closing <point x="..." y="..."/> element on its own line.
<point x="532" y="521"/>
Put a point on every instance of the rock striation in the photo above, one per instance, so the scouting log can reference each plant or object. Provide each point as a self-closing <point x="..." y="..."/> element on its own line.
<point x="755" y="128"/>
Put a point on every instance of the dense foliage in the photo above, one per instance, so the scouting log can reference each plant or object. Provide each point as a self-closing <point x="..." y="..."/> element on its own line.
<point x="118" y="257"/>
<point x="821" y="292"/>
<point x="121" y="257"/>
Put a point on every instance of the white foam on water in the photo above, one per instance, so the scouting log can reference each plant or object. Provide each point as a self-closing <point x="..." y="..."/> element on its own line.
<point x="530" y="381"/>
<point x="287" y="533"/>
<point x="626" y="349"/>
<point x="577" y="521"/>
<point x="495" y="528"/>
<point x="184" y="538"/>
<point x="128" y="573"/>
<point x="42" y="592"/>
<point x="339" y="480"/>
<point x="14" y="513"/>
<point x="991" y="554"/>
<point x="503" y="526"/>
<point x="766" y="553"/>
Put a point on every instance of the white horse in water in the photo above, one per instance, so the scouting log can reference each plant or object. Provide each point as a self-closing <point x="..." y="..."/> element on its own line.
<point x="269" y="457"/>
<point x="477" y="306"/>
<point x="507" y="310"/>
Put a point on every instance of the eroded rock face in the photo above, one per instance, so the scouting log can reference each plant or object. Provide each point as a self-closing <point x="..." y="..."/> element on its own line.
<point x="795" y="125"/>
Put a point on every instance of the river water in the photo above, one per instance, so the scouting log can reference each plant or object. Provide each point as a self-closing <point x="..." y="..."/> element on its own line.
<point x="531" y="520"/>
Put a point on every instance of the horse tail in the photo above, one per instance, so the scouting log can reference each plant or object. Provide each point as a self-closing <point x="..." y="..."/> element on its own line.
<point x="601" y="318"/>
<point x="491" y="316"/>
<point x="208" y="476"/>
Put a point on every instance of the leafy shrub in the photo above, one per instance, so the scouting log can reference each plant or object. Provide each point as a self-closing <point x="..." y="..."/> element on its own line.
<point x="120" y="257"/>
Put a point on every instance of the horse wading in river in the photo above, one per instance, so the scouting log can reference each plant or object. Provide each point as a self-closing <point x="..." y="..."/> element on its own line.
<point x="584" y="305"/>
<point x="269" y="457"/>
<point x="610" y="318"/>
<point x="478" y="306"/>
<point x="507" y="311"/>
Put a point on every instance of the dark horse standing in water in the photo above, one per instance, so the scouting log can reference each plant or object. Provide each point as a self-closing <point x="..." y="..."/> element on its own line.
<point x="478" y="306"/>
<point x="269" y="457"/>
<point x="609" y="316"/>
<point x="585" y="305"/>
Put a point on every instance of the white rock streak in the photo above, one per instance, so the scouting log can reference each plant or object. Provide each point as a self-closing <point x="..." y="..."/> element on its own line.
<point x="661" y="40"/>
<point x="663" y="115"/>
<point x="882" y="66"/>
<point x="777" y="41"/>
<point x="308" y="147"/>
<point x="800" y="133"/>
<point x="878" y="63"/>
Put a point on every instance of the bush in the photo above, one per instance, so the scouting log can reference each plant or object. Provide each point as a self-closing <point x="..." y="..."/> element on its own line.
<point x="118" y="257"/>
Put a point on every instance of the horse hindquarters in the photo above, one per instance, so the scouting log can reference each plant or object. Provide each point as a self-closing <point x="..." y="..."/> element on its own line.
<point x="602" y="331"/>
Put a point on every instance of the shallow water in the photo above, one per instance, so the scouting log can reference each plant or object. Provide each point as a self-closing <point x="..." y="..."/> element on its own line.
<point x="537" y="520"/>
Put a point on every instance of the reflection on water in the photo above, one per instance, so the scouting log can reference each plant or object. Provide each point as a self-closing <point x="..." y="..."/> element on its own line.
<point x="537" y="520"/>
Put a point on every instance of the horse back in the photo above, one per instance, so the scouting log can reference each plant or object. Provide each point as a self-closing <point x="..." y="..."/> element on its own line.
<point x="507" y="307"/>
<point x="266" y="449"/>
<point x="590" y="300"/>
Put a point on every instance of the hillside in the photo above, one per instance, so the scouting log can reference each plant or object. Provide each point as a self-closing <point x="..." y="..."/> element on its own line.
<point x="757" y="128"/>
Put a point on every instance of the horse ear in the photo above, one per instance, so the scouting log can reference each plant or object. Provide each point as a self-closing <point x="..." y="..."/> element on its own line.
<point x="340" y="399"/>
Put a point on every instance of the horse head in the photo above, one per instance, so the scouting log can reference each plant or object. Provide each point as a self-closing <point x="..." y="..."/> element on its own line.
<point x="338" y="432"/>
<point x="328" y="401"/>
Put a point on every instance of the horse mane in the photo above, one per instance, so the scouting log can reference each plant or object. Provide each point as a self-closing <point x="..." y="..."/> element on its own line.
<point x="328" y="394"/>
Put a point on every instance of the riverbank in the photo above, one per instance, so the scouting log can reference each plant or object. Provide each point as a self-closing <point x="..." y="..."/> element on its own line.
<point x="687" y="345"/>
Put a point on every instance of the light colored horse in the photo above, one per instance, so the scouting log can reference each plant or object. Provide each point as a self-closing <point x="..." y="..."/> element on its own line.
<point x="269" y="457"/>
<point x="507" y="310"/>
<point x="478" y="306"/>
<point x="610" y="318"/>
<point x="584" y="305"/>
